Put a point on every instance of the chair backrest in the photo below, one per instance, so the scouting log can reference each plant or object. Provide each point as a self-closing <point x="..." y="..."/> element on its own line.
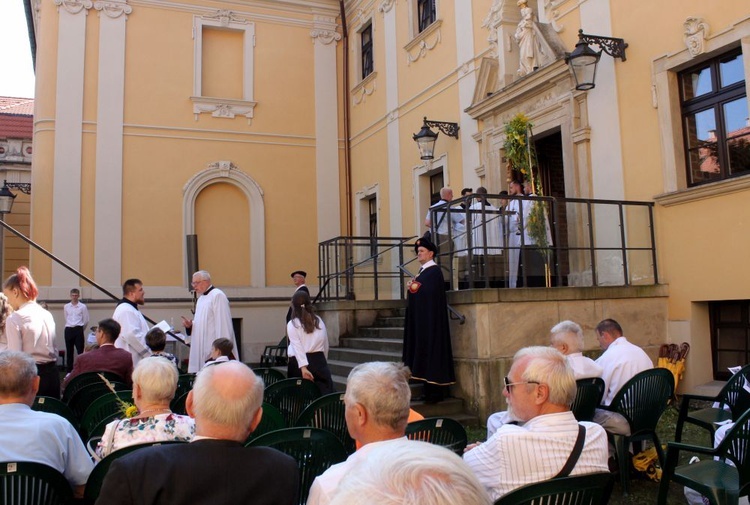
<point x="178" y="404"/>
<point x="33" y="483"/>
<point x="81" y="400"/>
<point x="442" y="431"/>
<point x="86" y="378"/>
<point x="313" y="449"/>
<point x="291" y="396"/>
<point x="54" y="406"/>
<point x="591" y="489"/>
<point x="589" y="394"/>
<point x="272" y="420"/>
<point x="106" y="407"/>
<point x="643" y="399"/>
<point x="328" y="413"/>
<point x="269" y="375"/>
<point x="184" y="384"/>
<point x="96" y="479"/>
<point x="275" y="355"/>
<point x="734" y="393"/>
<point x="736" y="447"/>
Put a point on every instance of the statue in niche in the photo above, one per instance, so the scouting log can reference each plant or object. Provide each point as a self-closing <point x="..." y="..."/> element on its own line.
<point x="526" y="38"/>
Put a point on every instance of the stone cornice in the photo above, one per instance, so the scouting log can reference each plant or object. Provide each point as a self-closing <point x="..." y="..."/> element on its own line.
<point x="704" y="192"/>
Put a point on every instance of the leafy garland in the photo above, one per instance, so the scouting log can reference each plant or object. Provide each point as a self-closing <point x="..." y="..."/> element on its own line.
<point x="522" y="158"/>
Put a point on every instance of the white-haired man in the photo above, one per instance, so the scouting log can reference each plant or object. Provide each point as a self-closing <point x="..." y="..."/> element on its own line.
<point x="566" y="337"/>
<point x="539" y="389"/>
<point x="413" y="472"/>
<point x="377" y="410"/>
<point x="37" y="437"/>
<point x="215" y="467"/>
<point x="212" y="321"/>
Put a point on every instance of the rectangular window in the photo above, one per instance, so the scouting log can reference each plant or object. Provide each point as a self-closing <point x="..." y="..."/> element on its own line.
<point x="730" y="335"/>
<point x="715" y="117"/>
<point x="372" y="210"/>
<point x="366" y="50"/>
<point x="425" y="14"/>
<point x="436" y="184"/>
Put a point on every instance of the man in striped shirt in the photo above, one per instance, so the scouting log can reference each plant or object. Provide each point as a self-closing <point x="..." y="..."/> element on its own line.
<point x="539" y="390"/>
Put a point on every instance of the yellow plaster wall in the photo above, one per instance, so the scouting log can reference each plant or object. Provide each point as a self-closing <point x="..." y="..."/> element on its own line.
<point x="221" y="72"/>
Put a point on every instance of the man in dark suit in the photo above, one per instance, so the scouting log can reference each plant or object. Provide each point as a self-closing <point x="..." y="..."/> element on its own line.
<point x="298" y="278"/>
<point x="107" y="358"/>
<point x="215" y="468"/>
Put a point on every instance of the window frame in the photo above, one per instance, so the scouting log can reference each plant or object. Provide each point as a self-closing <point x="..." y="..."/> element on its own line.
<point x="717" y="326"/>
<point x="366" y="52"/>
<point x="428" y="20"/>
<point x="713" y="100"/>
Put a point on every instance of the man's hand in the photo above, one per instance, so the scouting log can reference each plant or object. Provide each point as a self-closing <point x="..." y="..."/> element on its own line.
<point x="187" y="323"/>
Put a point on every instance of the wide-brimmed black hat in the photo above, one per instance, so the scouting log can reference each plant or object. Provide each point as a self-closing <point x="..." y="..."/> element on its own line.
<point x="301" y="272"/>
<point x="426" y="243"/>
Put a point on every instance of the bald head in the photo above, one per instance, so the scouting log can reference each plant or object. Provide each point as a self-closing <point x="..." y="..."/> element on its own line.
<point x="225" y="401"/>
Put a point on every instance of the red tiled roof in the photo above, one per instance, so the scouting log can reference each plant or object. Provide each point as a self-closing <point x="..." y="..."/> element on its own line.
<point x="11" y="105"/>
<point x="16" y="117"/>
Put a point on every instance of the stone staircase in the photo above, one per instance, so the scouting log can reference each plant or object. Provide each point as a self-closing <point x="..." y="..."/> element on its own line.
<point x="383" y="342"/>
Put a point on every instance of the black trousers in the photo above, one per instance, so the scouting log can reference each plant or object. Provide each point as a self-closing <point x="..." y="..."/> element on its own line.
<point x="49" y="379"/>
<point x="318" y="366"/>
<point x="73" y="337"/>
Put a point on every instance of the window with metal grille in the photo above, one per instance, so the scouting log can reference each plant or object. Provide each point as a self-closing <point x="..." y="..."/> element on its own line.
<point x="730" y="335"/>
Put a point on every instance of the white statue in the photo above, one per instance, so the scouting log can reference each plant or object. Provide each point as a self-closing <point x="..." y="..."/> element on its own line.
<point x="526" y="38"/>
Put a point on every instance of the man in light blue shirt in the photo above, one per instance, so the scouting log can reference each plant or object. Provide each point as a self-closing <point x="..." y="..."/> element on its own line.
<point x="37" y="437"/>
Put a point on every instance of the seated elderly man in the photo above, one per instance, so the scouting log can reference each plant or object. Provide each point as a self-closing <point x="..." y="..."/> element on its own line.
<point x="37" y="437"/>
<point x="417" y="473"/>
<point x="539" y="389"/>
<point x="215" y="467"/>
<point x="566" y="337"/>
<point x="377" y="409"/>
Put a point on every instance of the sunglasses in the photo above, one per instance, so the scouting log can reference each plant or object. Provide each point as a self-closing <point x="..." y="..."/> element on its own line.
<point x="509" y="384"/>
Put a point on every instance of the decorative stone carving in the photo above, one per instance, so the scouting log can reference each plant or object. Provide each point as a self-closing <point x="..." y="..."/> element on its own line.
<point x="74" y="6"/>
<point x="223" y="167"/>
<point x="324" y="30"/>
<point x="491" y="22"/>
<point x="552" y="13"/>
<point x="527" y="40"/>
<point x="696" y="32"/>
<point x="386" y="5"/>
<point x="223" y="108"/>
<point x="113" y="8"/>
<point x="361" y="90"/>
<point x="224" y="17"/>
<point x="422" y="44"/>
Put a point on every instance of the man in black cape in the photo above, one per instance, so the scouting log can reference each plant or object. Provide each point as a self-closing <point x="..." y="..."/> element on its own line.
<point x="427" y="339"/>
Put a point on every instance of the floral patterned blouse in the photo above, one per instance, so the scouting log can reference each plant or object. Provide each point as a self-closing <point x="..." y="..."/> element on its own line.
<point x="158" y="428"/>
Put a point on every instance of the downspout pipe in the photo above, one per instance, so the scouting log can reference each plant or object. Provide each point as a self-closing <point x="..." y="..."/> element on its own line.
<point x="347" y="125"/>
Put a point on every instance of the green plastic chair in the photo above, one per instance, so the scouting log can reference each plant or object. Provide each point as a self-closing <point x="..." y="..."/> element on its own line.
<point x="84" y="379"/>
<point x="641" y="401"/>
<point x="96" y="479"/>
<point x="33" y="483"/>
<point x="104" y="409"/>
<point x="732" y="395"/>
<point x="54" y="406"/>
<point x="178" y="404"/>
<point x="590" y="489"/>
<point x="291" y="397"/>
<point x="184" y="384"/>
<point x="87" y="394"/>
<point x="269" y="375"/>
<point x="328" y="413"/>
<point x="443" y="431"/>
<point x="313" y="449"/>
<point x="589" y="394"/>
<point x="719" y="480"/>
<point x="272" y="420"/>
<point x="275" y="355"/>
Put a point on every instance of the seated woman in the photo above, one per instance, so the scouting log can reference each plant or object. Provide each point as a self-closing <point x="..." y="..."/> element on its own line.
<point x="221" y="351"/>
<point x="154" y="385"/>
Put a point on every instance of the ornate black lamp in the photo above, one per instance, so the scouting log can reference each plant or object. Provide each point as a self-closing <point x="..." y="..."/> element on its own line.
<point x="584" y="60"/>
<point x="426" y="138"/>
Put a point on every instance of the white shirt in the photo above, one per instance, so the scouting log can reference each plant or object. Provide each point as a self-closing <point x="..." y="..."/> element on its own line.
<point x="301" y="343"/>
<point x="76" y="315"/>
<point x="456" y="219"/>
<point x="31" y="329"/>
<point x="324" y="486"/>
<point x="212" y="321"/>
<point x="518" y="455"/>
<point x="620" y="362"/>
<point x="133" y="329"/>
<point x="583" y="367"/>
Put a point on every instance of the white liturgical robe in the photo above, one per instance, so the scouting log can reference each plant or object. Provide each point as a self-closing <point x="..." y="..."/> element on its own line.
<point x="212" y="320"/>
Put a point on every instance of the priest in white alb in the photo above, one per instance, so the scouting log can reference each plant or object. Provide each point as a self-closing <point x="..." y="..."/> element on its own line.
<point x="212" y="320"/>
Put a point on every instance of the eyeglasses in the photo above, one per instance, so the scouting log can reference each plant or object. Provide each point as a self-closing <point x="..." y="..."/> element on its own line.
<point x="509" y="384"/>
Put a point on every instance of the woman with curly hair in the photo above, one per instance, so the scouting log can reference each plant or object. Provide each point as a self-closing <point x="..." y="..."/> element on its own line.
<point x="31" y="329"/>
<point x="308" y="344"/>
